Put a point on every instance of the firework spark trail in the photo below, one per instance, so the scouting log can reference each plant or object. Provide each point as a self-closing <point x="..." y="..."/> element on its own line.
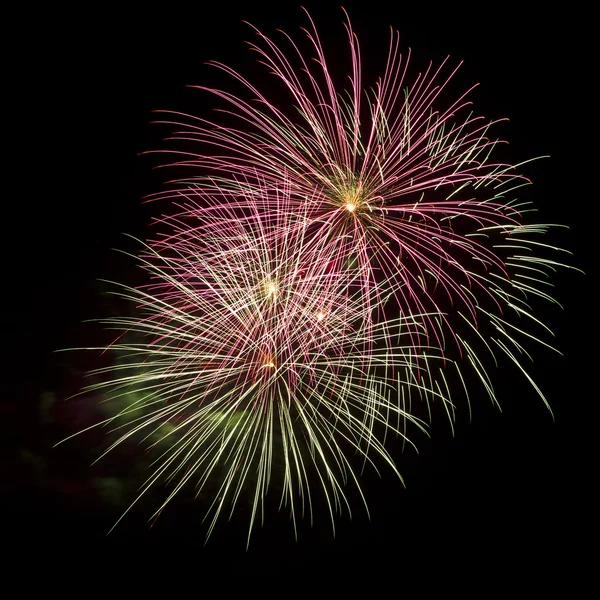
<point x="320" y="268"/>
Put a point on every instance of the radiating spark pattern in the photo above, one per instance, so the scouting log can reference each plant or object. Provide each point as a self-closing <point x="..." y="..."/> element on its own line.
<point x="403" y="185"/>
<point x="324" y="265"/>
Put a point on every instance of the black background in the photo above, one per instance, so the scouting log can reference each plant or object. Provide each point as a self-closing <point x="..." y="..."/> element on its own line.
<point x="511" y="491"/>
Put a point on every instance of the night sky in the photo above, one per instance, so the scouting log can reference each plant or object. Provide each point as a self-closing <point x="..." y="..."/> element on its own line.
<point x="510" y="488"/>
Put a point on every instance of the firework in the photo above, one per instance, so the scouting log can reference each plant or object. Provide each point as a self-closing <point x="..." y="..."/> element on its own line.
<point x="323" y="264"/>
<point x="402" y="183"/>
<point x="255" y="350"/>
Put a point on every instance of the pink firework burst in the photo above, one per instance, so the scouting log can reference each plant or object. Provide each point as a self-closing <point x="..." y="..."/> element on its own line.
<point x="402" y="185"/>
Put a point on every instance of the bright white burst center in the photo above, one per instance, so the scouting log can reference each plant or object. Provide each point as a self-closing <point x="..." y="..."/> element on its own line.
<point x="350" y="206"/>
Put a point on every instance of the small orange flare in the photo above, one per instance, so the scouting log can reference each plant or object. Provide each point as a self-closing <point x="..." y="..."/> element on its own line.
<point x="320" y="316"/>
